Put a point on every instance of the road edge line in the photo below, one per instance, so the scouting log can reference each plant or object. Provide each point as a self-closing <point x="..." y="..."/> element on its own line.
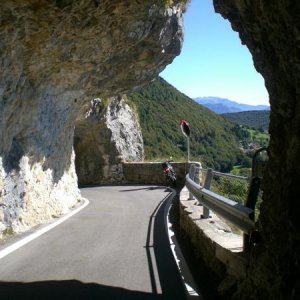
<point x="6" y="251"/>
<point x="178" y="255"/>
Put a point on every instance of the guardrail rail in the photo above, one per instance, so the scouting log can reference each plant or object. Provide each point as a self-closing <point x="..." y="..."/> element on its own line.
<point x="236" y="213"/>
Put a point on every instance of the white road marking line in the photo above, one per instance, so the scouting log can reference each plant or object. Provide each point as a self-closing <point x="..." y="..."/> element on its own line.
<point x="185" y="272"/>
<point x="38" y="233"/>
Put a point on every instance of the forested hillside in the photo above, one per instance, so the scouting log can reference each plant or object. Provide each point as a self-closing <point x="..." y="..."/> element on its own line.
<point x="258" y="119"/>
<point x="213" y="139"/>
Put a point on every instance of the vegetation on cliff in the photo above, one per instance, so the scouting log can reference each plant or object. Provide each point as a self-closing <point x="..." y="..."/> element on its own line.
<point x="213" y="141"/>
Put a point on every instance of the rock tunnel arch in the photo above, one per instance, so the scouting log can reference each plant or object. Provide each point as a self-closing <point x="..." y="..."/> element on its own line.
<point x="271" y="31"/>
<point x="41" y="89"/>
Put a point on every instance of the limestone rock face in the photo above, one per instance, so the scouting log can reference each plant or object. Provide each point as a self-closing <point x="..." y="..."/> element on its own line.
<point x="271" y="31"/>
<point x="125" y="129"/>
<point x="55" y="57"/>
<point x="107" y="135"/>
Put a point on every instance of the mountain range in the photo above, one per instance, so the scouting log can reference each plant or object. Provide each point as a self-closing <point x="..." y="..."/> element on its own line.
<point x="221" y="105"/>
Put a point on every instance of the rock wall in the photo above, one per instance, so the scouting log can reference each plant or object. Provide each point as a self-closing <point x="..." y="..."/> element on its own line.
<point x="271" y="31"/>
<point x="55" y="57"/>
<point x="108" y="135"/>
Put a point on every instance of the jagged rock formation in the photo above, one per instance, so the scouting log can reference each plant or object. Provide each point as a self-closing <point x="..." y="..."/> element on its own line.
<point x="271" y="31"/>
<point x="107" y="135"/>
<point x="55" y="57"/>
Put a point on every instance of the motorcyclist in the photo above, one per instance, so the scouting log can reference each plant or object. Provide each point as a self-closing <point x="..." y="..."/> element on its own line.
<point x="169" y="171"/>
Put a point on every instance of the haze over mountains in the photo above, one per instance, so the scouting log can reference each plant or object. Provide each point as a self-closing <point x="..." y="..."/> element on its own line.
<point x="222" y="105"/>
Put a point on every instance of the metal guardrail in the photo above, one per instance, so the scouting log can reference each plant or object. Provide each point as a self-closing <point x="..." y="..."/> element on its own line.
<point x="240" y="215"/>
<point x="234" y="212"/>
<point x="230" y="175"/>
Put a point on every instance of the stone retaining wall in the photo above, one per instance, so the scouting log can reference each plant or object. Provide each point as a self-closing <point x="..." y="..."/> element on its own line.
<point x="152" y="172"/>
<point x="214" y="244"/>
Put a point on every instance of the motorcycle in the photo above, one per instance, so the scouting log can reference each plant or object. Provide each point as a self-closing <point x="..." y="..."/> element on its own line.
<point x="169" y="173"/>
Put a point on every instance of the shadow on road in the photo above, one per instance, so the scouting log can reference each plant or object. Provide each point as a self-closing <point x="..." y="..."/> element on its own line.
<point x="170" y="281"/>
<point x="151" y="188"/>
<point x="68" y="289"/>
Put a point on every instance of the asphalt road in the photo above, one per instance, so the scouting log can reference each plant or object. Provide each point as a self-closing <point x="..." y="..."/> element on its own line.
<point x="115" y="248"/>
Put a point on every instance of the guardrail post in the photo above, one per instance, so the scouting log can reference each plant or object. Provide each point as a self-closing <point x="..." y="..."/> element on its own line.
<point x="197" y="175"/>
<point x="251" y="202"/>
<point x="236" y="213"/>
<point x="192" y="176"/>
<point x="258" y="164"/>
<point x="207" y="184"/>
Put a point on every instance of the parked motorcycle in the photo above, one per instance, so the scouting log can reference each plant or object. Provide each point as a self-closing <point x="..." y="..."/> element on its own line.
<point x="169" y="173"/>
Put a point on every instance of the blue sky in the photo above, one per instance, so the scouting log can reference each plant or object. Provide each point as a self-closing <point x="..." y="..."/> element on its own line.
<point x="213" y="62"/>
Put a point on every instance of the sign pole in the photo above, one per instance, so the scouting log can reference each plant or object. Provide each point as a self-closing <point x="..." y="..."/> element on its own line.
<point x="188" y="144"/>
<point x="185" y="127"/>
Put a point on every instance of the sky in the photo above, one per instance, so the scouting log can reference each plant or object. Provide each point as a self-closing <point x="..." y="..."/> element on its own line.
<point x="213" y="62"/>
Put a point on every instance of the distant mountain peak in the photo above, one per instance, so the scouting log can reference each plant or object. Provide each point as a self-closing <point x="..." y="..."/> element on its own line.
<point x="223" y="105"/>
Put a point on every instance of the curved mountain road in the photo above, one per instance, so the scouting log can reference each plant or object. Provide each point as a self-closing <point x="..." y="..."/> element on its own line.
<point x="115" y="248"/>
